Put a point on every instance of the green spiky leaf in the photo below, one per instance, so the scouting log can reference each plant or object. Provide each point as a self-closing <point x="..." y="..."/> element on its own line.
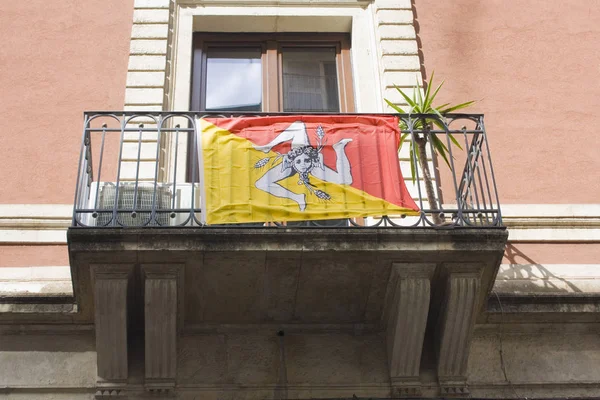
<point x="443" y="127"/>
<point x="457" y="107"/>
<point x="428" y="100"/>
<point x="395" y="107"/>
<point x="412" y="155"/>
<point x="455" y="141"/>
<point x="402" y="139"/>
<point x="440" y="148"/>
<point x="429" y="105"/>
<point x="422" y="103"/>
<point x="436" y="112"/>
<point x="410" y="102"/>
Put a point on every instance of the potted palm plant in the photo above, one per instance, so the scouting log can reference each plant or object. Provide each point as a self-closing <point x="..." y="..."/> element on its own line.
<point x="422" y="103"/>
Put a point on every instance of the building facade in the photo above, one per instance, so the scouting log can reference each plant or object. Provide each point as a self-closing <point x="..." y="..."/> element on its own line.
<point x="376" y="311"/>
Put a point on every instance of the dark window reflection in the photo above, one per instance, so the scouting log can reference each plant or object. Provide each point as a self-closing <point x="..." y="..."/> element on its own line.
<point x="310" y="80"/>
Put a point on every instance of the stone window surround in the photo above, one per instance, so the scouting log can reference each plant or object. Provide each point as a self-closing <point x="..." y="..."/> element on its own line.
<point x="383" y="46"/>
<point x="355" y="20"/>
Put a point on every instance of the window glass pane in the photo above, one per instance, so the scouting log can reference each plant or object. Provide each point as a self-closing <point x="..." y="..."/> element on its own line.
<point x="310" y="80"/>
<point x="233" y="80"/>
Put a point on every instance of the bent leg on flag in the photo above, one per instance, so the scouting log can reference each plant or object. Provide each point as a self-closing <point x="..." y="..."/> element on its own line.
<point x="268" y="183"/>
<point x="296" y="132"/>
<point x="343" y="175"/>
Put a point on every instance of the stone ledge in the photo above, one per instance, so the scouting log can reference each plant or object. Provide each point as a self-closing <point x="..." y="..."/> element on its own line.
<point x="411" y="240"/>
<point x="530" y="308"/>
<point x="34" y="289"/>
<point x="578" y="302"/>
<point x="38" y="308"/>
<point x="281" y="3"/>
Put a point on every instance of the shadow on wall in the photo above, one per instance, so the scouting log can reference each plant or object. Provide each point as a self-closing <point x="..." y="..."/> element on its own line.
<point x="532" y="274"/>
<point x="419" y="44"/>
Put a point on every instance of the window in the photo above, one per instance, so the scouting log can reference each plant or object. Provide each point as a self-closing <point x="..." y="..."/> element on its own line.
<point x="272" y="72"/>
<point x="309" y="78"/>
<point x="233" y="80"/>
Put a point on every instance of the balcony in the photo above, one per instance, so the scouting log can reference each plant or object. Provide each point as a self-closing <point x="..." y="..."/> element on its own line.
<point x="135" y="170"/>
<point x="145" y="263"/>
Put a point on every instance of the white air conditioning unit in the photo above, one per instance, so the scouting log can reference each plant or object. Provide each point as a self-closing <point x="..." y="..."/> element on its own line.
<point x="144" y="197"/>
<point x="182" y="196"/>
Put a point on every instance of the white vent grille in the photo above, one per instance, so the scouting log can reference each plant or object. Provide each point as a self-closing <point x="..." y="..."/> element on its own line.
<point x="125" y="205"/>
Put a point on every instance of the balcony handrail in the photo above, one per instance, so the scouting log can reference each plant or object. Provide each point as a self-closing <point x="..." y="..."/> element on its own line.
<point x="133" y="172"/>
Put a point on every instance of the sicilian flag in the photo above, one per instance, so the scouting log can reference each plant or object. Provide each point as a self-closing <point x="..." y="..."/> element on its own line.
<point x="296" y="168"/>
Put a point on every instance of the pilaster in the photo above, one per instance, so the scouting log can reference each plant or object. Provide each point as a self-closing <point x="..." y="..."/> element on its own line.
<point x="160" y="310"/>
<point x="398" y="50"/>
<point x="110" y="282"/>
<point x="455" y="326"/>
<point x="406" y="318"/>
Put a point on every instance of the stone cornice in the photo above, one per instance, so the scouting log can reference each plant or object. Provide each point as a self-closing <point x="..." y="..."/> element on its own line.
<point x="278" y="3"/>
<point x="47" y="223"/>
<point x="35" y="216"/>
<point x="411" y="240"/>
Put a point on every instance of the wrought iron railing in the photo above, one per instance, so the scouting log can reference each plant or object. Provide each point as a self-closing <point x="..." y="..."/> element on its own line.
<point x="137" y="170"/>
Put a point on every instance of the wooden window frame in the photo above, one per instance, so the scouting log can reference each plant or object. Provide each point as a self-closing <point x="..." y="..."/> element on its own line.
<point x="271" y="45"/>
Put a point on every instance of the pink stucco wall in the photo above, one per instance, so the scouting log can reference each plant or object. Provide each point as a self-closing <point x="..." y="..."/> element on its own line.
<point x="32" y="256"/>
<point x="552" y="253"/>
<point x="533" y="66"/>
<point x="57" y="59"/>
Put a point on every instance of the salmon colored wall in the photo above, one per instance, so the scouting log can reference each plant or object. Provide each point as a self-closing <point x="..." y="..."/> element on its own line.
<point x="57" y="59"/>
<point x="552" y="253"/>
<point x="519" y="253"/>
<point x="33" y="256"/>
<point x="533" y="66"/>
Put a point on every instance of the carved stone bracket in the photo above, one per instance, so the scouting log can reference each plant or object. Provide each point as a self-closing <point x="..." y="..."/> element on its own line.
<point x="160" y="389"/>
<point x="454" y="389"/>
<point x="407" y="307"/>
<point x="110" y="282"/>
<point x="455" y="326"/>
<point x="160" y="310"/>
<point x="105" y="393"/>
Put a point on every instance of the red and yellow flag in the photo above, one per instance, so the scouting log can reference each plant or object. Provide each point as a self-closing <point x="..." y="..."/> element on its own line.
<point x="294" y="168"/>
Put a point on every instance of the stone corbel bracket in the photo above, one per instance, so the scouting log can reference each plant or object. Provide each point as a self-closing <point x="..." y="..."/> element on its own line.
<point x="110" y="284"/>
<point x="460" y="305"/>
<point x="405" y="318"/>
<point x="162" y="282"/>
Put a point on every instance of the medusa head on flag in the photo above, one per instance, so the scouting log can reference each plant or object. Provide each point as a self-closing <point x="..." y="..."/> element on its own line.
<point x="302" y="159"/>
<point x="300" y="167"/>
